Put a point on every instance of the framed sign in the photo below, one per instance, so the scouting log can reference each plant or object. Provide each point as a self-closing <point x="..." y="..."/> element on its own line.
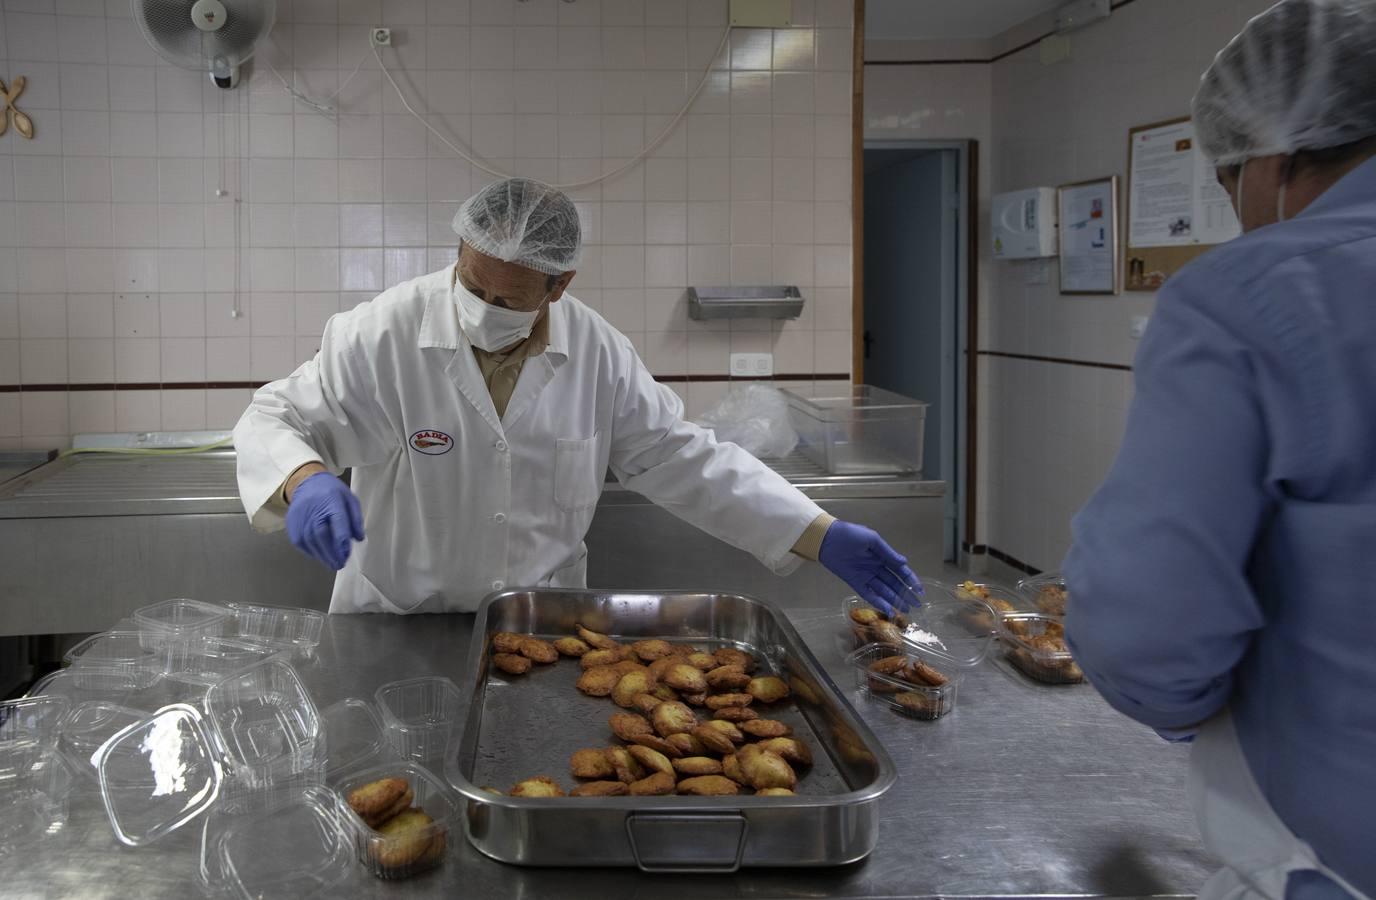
<point x="1176" y="208"/>
<point x="1088" y="213"/>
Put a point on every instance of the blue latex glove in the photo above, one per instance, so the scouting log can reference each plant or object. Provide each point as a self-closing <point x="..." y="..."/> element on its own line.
<point x="324" y="519"/>
<point x="858" y="556"/>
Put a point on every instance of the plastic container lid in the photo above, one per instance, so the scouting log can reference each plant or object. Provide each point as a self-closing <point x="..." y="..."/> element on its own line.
<point x="297" y="850"/>
<point x="215" y="658"/>
<point x="115" y="661"/>
<point x="264" y="718"/>
<point x="32" y="719"/>
<point x="1046" y="593"/>
<point x="87" y="726"/>
<point x="279" y="626"/>
<point x="179" y="619"/>
<point x="158" y="774"/>
<point x="355" y="736"/>
<point x="1002" y="600"/>
<point x="954" y="632"/>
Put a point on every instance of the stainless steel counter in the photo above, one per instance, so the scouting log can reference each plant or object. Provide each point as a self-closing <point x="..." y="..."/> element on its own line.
<point x="1024" y="790"/>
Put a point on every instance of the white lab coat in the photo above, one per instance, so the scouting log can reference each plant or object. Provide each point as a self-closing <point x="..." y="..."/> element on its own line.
<point x="458" y="503"/>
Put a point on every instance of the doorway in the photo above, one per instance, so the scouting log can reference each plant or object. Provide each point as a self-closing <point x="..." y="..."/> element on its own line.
<point x="916" y="256"/>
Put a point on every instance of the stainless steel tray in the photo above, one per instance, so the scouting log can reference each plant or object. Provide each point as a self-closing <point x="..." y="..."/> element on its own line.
<point x="520" y="727"/>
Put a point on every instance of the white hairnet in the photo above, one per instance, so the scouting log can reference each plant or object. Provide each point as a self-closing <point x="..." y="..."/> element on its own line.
<point x="1300" y="76"/>
<point x="524" y="222"/>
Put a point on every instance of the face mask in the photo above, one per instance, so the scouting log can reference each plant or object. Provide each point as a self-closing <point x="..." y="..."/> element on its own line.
<point x="492" y="328"/>
<point x="1280" y="196"/>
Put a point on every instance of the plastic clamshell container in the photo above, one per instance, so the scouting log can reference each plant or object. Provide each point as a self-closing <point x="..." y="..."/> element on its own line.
<point x="177" y="627"/>
<point x="266" y="723"/>
<point x="33" y="797"/>
<point x="1003" y="601"/>
<point x="393" y="857"/>
<point x="949" y="632"/>
<point x="158" y="774"/>
<point x="859" y="429"/>
<point x="356" y="738"/>
<point x="32" y="719"/>
<point x="1045" y="593"/>
<point x="1017" y="630"/>
<point x="216" y="658"/>
<point x="420" y="716"/>
<point x="903" y="697"/>
<point x="86" y="728"/>
<point x="115" y="661"/>
<point x="279" y="626"/>
<point x="296" y="850"/>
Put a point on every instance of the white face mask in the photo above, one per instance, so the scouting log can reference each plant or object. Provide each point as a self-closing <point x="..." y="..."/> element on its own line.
<point x="492" y="328"/>
<point x="1280" y="197"/>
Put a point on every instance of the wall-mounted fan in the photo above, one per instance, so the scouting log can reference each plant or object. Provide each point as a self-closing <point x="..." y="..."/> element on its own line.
<point x="215" y="36"/>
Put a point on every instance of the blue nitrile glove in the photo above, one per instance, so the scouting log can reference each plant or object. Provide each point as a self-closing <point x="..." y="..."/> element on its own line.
<point x="324" y="519"/>
<point x="858" y="556"/>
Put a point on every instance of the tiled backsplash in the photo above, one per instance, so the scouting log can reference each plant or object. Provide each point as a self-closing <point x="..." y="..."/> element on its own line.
<point x="117" y="257"/>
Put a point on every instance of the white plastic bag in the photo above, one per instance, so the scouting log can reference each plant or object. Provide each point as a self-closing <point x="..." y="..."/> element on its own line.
<point x="755" y="417"/>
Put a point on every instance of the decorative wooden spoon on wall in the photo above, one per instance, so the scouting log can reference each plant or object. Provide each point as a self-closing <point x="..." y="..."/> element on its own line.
<point x="22" y="123"/>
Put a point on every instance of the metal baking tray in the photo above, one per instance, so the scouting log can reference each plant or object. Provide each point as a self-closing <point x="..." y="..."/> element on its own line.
<point x="525" y="726"/>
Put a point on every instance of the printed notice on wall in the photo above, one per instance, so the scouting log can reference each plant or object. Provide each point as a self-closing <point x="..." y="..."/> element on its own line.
<point x="1089" y="237"/>
<point x="1175" y="200"/>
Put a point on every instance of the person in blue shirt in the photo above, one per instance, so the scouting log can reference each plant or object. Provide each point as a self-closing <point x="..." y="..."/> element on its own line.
<point x="1223" y="578"/>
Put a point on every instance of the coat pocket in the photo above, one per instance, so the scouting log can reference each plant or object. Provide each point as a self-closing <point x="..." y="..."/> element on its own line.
<point x="578" y="474"/>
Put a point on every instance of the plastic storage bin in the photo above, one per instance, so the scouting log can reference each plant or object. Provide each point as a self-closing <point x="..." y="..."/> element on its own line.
<point x="296" y="850"/>
<point x="859" y="429"/>
<point x="1032" y="648"/>
<point x="904" y="697"/>
<point x="1046" y="593"/>
<point x="420" y="716"/>
<point x="115" y="661"/>
<point x="279" y="626"/>
<point x="393" y="856"/>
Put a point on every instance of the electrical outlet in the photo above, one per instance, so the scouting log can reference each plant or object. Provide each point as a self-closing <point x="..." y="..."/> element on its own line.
<point x="1139" y="327"/>
<point x="752" y="365"/>
<point x="381" y="37"/>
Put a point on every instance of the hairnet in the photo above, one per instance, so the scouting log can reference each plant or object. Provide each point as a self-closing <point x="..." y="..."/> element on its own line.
<point x="1300" y="76"/>
<point x="524" y="222"/>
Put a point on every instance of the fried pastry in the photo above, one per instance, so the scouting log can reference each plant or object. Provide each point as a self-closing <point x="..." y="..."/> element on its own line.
<point x="651" y="650"/>
<point x="768" y="689"/>
<point x="630" y="686"/>
<point x="539" y="651"/>
<point x="673" y="718"/>
<point x="656" y="785"/>
<point x="625" y="765"/>
<point x="686" y="744"/>
<point x="721" y="701"/>
<point x="652" y="760"/>
<point x="571" y="646"/>
<point x="764" y="769"/>
<point x="791" y="749"/>
<point x="658" y="744"/>
<point x="600" y="789"/>
<point x="736" y="714"/>
<point x="539" y="786"/>
<point x="598" y="681"/>
<point x="507" y="642"/>
<point x="408" y="839"/>
<point x="375" y="797"/>
<point x="703" y="662"/>
<point x="686" y="678"/>
<point x="591" y="764"/>
<point x="593" y="639"/>
<point x="628" y="725"/>
<point x="765" y="728"/>
<point x="709" y="786"/>
<point x="511" y="663"/>
<point x="697" y="765"/>
<point x="594" y="658"/>
<point x="727" y="678"/>
<point x="730" y="656"/>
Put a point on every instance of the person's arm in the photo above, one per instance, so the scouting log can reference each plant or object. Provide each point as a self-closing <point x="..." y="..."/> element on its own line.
<point x="1160" y="608"/>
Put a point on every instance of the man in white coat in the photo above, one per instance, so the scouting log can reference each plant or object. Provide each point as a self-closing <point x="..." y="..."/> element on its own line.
<point x="479" y="408"/>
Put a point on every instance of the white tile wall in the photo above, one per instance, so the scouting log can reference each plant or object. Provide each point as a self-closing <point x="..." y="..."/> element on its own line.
<point x="117" y="257"/>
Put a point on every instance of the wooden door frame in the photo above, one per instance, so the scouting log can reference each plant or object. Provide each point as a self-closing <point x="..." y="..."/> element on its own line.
<point x="857" y="197"/>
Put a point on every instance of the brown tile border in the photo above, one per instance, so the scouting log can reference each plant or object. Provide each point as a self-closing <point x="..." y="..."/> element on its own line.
<point x="254" y="385"/>
<point x="1060" y="360"/>
<point x="1006" y="559"/>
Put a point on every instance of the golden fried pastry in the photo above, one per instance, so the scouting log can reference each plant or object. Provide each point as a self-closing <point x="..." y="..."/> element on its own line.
<point x="1048" y="643"/>
<point x="375" y="797"/>
<point x="507" y="642"/>
<point x="628" y="687"/>
<point x="763" y="769"/>
<point x="721" y="701"/>
<point x="684" y="650"/>
<point x="627" y="666"/>
<point x="686" y="744"/>
<point x="686" y="678"/>
<point x="594" y="658"/>
<point x="892" y="666"/>
<point x="729" y="729"/>
<point x="628" y="725"/>
<point x="408" y="839"/>
<point x="511" y="663"/>
<point x="697" y="765"/>
<point x="1055" y="629"/>
<point x="591" y="764"/>
<point x="656" y="785"/>
<point x="695" y="699"/>
<point x="652" y="650"/>
<point x="645" y="703"/>
<point x="709" y="786"/>
<point x="805" y="690"/>
<point x="920" y="673"/>
<point x="768" y="689"/>
<point x="652" y="760"/>
<point x="852" y="749"/>
<point x="627" y="769"/>
<point x="713" y="740"/>
<point x="727" y="678"/>
<point x="598" y="681"/>
<point x="923" y="704"/>
<point x="865" y="616"/>
<point x="659" y="666"/>
<point x="1051" y="599"/>
<point x="403" y="803"/>
<point x="703" y="662"/>
<point x="775" y="792"/>
<point x="658" y="744"/>
<point x="886" y="633"/>
<point x="730" y="656"/>
<point x="731" y="768"/>
<point x="571" y="646"/>
<point x="673" y="718"/>
<point x="539" y="651"/>
<point x="977" y="590"/>
<point x="765" y="728"/>
<point x="736" y="714"/>
<point x="539" y="786"/>
<point x="791" y="749"/>
<point x="600" y="789"/>
<point x="665" y="693"/>
<point x="593" y="639"/>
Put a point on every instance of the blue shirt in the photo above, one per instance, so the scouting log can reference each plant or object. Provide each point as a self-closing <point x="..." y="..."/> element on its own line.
<point x="1230" y="556"/>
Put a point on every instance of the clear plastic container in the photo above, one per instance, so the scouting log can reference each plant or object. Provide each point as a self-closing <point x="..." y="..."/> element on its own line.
<point x="216" y="658"/>
<point x="420" y="716"/>
<point x="296" y="850"/>
<point x="916" y="701"/>
<point x="1003" y="601"/>
<point x="357" y="741"/>
<point x="266" y="723"/>
<point x="115" y="661"/>
<point x="858" y="429"/>
<point x="176" y="628"/>
<point x="394" y="857"/>
<point x="32" y="719"/>
<point x="87" y="726"/>
<point x="1046" y="593"/>
<point x="1035" y="646"/>
<point x="289" y="627"/>
<point x="33" y="796"/>
<point x="949" y="632"/>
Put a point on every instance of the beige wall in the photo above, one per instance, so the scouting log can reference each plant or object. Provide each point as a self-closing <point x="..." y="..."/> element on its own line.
<point x="117" y="260"/>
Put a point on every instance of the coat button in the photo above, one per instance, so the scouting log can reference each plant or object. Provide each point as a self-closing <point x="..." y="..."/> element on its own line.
<point x="499" y="518"/>
<point x="501" y="446"/>
<point x="498" y="585"/>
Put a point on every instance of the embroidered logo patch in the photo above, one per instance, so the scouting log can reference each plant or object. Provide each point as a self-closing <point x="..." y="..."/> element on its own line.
<point x="431" y="443"/>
